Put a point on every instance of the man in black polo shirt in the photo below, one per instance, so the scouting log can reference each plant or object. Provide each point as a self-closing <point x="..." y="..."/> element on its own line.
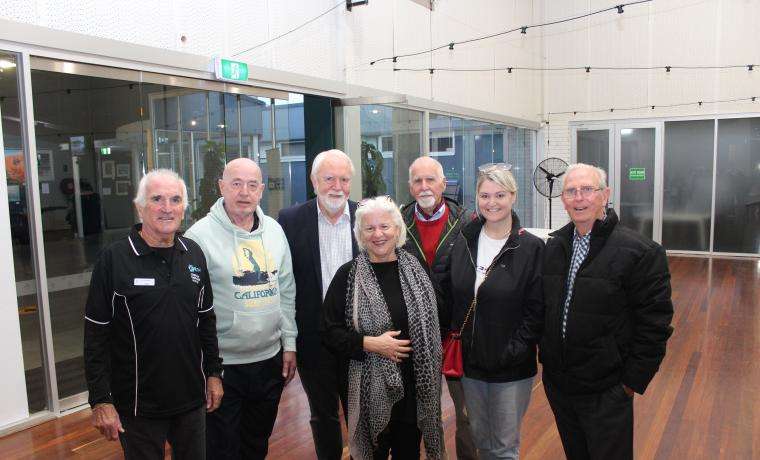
<point x="151" y="356"/>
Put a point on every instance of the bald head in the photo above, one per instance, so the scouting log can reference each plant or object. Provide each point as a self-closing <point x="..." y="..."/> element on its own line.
<point x="241" y="166"/>
<point x="241" y="186"/>
<point x="427" y="183"/>
<point x="425" y="164"/>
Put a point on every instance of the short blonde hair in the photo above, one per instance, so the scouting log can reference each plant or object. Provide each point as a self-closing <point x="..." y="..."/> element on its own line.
<point x="502" y="177"/>
<point x="379" y="203"/>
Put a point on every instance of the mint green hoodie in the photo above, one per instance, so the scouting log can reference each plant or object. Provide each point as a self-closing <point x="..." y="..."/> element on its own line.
<point x="254" y="289"/>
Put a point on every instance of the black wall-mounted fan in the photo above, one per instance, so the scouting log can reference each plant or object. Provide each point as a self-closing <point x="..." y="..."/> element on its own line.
<point x="546" y="179"/>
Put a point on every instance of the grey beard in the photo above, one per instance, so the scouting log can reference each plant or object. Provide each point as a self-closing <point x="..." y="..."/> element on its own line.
<point x="426" y="202"/>
<point x="331" y="205"/>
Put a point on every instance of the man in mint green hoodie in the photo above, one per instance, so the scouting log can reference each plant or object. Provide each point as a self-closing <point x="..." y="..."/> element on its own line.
<point x="251" y="274"/>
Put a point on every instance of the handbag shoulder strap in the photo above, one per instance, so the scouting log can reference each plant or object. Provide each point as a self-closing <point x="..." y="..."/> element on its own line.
<point x="475" y="297"/>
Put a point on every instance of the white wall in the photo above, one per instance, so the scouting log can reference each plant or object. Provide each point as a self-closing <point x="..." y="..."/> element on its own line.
<point x="407" y="27"/>
<point x="337" y="46"/>
<point x="13" y="402"/>
<point x="672" y="32"/>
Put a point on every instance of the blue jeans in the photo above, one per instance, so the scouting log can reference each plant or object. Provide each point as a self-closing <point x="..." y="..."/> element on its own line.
<point x="496" y="411"/>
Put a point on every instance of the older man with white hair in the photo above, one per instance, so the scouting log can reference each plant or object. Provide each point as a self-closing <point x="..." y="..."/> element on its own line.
<point x="151" y="357"/>
<point x="607" y="320"/>
<point x="433" y="222"/>
<point x="319" y="233"/>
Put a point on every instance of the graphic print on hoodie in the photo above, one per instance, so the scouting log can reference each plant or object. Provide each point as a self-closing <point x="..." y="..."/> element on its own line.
<point x="254" y="289"/>
<point x="253" y="274"/>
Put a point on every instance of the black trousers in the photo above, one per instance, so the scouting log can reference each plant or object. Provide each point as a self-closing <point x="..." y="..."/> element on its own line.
<point x="597" y="426"/>
<point x="400" y="439"/>
<point x="324" y="386"/>
<point x="145" y="438"/>
<point x="241" y="426"/>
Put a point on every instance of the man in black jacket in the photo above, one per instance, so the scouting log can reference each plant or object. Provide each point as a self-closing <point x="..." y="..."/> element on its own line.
<point x="608" y="314"/>
<point x="433" y="223"/>
<point x="320" y="237"/>
<point x="150" y="349"/>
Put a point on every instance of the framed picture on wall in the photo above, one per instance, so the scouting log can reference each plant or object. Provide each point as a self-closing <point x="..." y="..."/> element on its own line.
<point x="122" y="170"/>
<point x="45" y="165"/>
<point x="122" y="187"/>
<point x="108" y="169"/>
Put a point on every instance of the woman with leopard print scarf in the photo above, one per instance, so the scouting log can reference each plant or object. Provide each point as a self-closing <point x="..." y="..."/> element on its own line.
<point x="381" y="312"/>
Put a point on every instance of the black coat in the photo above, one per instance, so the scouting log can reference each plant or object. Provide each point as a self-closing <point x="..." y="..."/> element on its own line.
<point x="499" y="340"/>
<point x="619" y="315"/>
<point x="302" y="230"/>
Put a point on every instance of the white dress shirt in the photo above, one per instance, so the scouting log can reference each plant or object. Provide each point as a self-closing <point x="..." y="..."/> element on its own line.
<point x="334" y="244"/>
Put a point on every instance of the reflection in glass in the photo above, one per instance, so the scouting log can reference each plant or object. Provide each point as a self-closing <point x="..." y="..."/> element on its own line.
<point x="737" y="192"/>
<point x="391" y="141"/>
<point x="637" y="179"/>
<point x="476" y="139"/>
<point x="594" y="148"/>
<point x="18" y="194"/>
<point x="89" y="141"/>
<point x="521" y="154"/>
<point x="285" y="168"/>
<point x="442" y="149"/>
<point x="209" y="137"/>
<point x="687" y="184"/>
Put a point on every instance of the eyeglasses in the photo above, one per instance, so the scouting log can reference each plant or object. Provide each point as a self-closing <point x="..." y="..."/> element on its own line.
<point x="484" y="168"/>
<point x="585" y="191"/>
<point x="330" y="180"/>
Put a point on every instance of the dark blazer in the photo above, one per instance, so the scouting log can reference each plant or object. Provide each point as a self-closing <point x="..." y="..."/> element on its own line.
<point x="302" y="230"/>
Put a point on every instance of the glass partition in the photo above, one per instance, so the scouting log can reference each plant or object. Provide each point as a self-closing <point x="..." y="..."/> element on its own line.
<point x="462" y="145"/>
<point x="442" y="148"/>
<point x="391" y="141"/>
<point x="637" y="152"/>
<point x="286" y="180"/>
<point x="95" y="137"/>
<point x="737" y="187"/>
<point x="89" y="140"/>
<point x="521" y="153"/>
<point x="593" y="148"/>
<point x="687" y="184"/>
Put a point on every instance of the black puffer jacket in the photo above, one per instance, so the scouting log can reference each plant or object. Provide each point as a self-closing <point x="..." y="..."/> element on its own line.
<point x="620" y="312"/>
<point x="499" y="340"/>
<point x="457" y="217"/>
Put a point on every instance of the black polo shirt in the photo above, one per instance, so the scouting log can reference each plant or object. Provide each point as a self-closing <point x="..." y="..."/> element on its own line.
<point x="150" y="328"/>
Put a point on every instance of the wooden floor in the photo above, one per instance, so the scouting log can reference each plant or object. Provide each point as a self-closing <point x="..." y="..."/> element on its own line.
<point x="702" y="404"/>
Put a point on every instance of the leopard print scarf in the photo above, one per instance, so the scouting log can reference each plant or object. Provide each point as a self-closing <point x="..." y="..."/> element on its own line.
<point x="375" y="384"/>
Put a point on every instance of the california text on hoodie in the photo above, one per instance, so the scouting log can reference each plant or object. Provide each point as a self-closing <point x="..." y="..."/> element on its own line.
<point x="254" y="288"/>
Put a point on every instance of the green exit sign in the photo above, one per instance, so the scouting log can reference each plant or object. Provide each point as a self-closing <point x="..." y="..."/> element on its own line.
<point x="228" y="70"/>
<point x="636" y="173"/>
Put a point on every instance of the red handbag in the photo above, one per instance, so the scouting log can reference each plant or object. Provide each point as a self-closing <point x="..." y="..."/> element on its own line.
<point x="452" y="355"/>
<point x="452" y="349"/>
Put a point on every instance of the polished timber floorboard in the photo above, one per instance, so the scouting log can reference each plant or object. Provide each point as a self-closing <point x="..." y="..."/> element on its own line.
<point x="702" y="404"/>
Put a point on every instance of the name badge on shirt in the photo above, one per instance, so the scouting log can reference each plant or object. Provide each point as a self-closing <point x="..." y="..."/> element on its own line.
<point x="145" y="282"/>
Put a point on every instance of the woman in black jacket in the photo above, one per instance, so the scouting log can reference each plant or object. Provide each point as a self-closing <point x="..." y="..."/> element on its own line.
<point x="495" y="288"/>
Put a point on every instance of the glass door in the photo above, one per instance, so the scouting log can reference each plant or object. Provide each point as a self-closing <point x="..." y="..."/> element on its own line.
<point x="594" y="145"/>
<point x="636" y="180"/>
